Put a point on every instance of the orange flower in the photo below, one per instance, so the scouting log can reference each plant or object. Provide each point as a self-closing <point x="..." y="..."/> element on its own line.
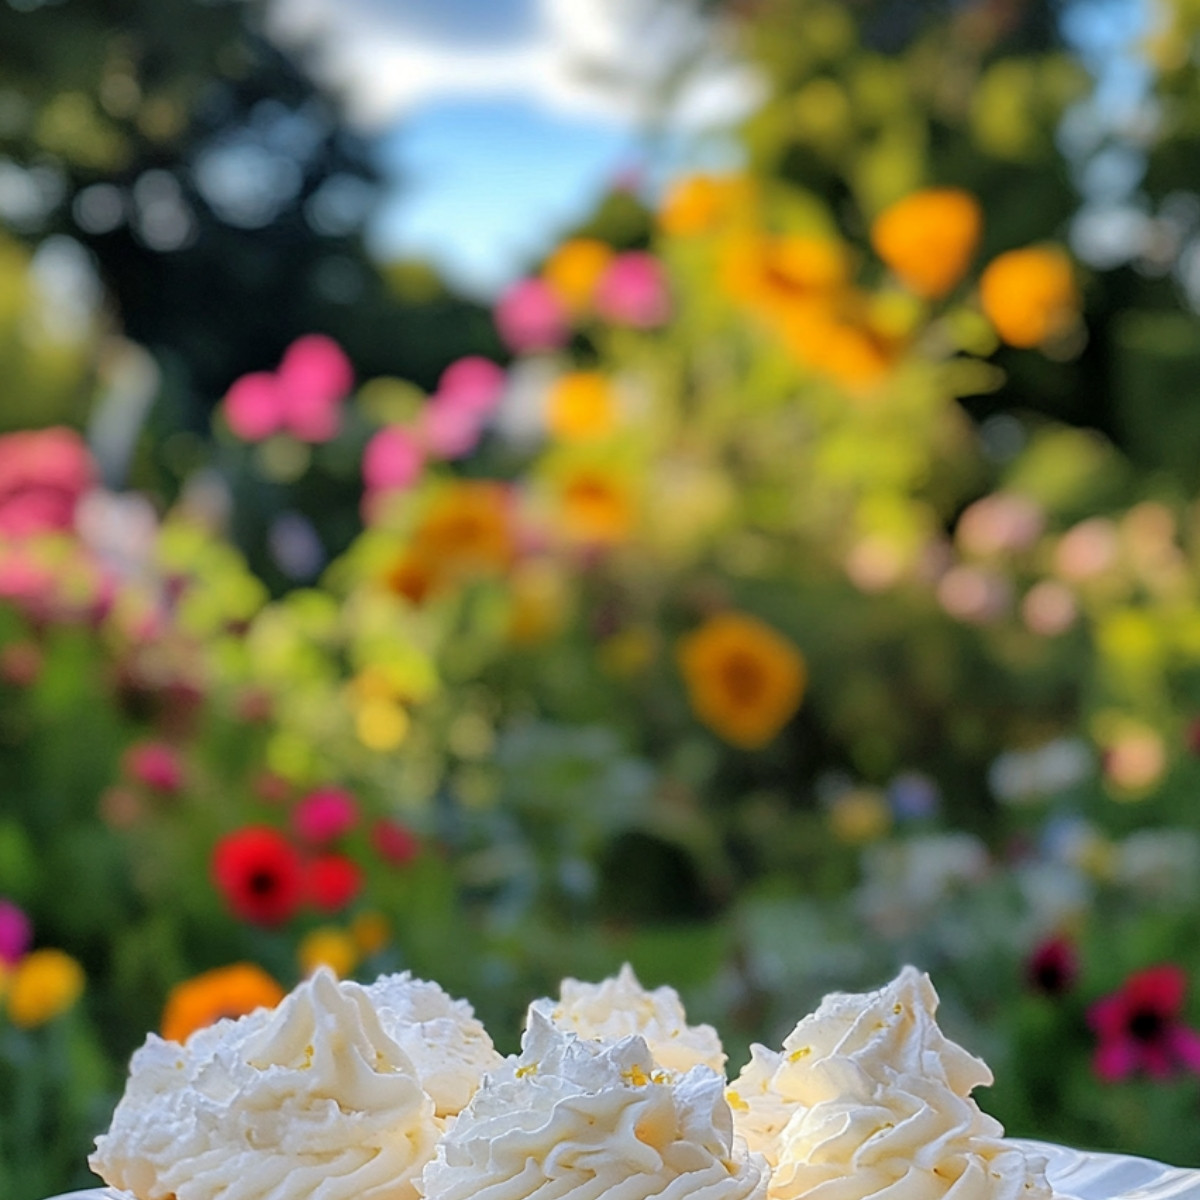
<point x="744" y="680"/>
<point x="927" y="239"/>
<point x="231" y="991"/>
<point x="597" y="506"/>
<point x="698" y="204"/>
<point x="774" y="273"/>
<point x="467" y="530"/>
<point x="574" y="270"/>
<point x="412" y="577"/>
<point x="581" y="406"/>
<point x="1029" y="295"/>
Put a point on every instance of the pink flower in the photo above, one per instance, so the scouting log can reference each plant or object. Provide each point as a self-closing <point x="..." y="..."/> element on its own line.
<point x="1138" y="1027"/>
<point x="325" y="815"/>
<point x="316" y="377"/>
<point x="472" y="383"/>
<point x="394" y="843"/>
<point x="15" y="933"/>
<point x="633" y="291"/>
<point x="43" y="473"/>
<point x="302" y="398"/>
<point x="392" y="460"/>
<point x="448" y="429"/>
<point x="156" y="765"/>
<point x="254" y="406"/>
<point x="530" y="317"/>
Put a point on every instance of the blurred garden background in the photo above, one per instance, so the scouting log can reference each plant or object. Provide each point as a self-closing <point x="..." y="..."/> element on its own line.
<point x="504" y="489"/>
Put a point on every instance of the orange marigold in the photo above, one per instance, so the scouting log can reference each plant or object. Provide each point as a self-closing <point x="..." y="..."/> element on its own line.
<point x="928" y="238"/>
<point x="597" y="506"/>
<point x="776" y="273"/>
<point x="467" y="530"/>
<point x="231" y="991"/>
<point x="744" y="679"/>
<point x="698" y="204"/>
<point x="581" y="406"/>
<point x="1029" y="295"/>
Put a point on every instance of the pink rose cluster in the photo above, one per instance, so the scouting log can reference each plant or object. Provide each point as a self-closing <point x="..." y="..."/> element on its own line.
<point x="632" y="291"/>
<point x="448" y="427"/>
<point x="43" y="475"/>
<point x="302" y="398"/>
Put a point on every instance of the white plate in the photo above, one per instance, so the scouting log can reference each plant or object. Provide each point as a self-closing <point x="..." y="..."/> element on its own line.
<point x="1074" y="1175"/>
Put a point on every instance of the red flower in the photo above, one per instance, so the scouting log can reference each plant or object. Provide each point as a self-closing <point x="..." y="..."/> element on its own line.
<point x="333" y="881"/>
<point x="1139" y="1028"/>
<point x="260" y="874"/>
<point x="394" y="843"/>
<point x="1053" y="966"/>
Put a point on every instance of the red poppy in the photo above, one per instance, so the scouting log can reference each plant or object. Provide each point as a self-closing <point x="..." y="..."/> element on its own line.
<point x="260" y="874"/>
<point x="333" y="881"/>
<point x="1139" y="1027"/>
<point x="394" y="843"/>
<point x="1053" y="966"/>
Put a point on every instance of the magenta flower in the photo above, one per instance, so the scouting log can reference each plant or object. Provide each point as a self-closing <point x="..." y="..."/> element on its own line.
<point x="43" y="474"/>
<point x="633" y="291"/>
<point x="530" y="317"/>
<point x="472" y="383"/>
<point x="156" y="765"/>
<point x="302" y="398"/>
<point x="324" y="815"/>
<point x="1139" y="1028"/>
<point x="15" y="933"/>
<point x="392" y="460"/>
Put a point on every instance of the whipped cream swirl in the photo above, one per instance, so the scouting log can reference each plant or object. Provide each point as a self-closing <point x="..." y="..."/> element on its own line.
<point x="310" y="1100"/>
<point x="619" y="1006"/>
<point x="877" y="1104"/>
<point x="449" y="1047"/>
<point x="583" y="1119"/>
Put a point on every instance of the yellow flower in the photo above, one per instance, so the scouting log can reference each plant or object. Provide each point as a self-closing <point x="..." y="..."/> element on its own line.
<point x="574" y="270"/>
<point x="381" y="724"/>
<point x="744" y="680"/>
<point x="42" y="986"/>
<point x="328" y="946"/>
<point x="1029" y="295"/>
<point x="371" y="932"/>
<point x="539" y="602"/>
<point x="859" y="815"/>
<point x="927" y="239"/>
<point x="581" y="406"/>
<point x="231" y="991"/>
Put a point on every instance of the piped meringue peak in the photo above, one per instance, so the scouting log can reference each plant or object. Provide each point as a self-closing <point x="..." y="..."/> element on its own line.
<point x="449" y="1047"/>
<point x="394" y="1091"/>
<point x="581" y="1118"/>
<point x="868" y="1098"/>
<point x="311" y="1099"/>
<point x="619" y="1006"/>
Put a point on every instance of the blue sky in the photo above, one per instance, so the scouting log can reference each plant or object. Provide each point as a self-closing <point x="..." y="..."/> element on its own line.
<point x="495" y="139"/>
<point x="482" y="187"/>
<point x="499" y="122"/>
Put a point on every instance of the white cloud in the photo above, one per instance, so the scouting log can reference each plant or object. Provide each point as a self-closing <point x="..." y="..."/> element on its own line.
<point x="610" y="59"/>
